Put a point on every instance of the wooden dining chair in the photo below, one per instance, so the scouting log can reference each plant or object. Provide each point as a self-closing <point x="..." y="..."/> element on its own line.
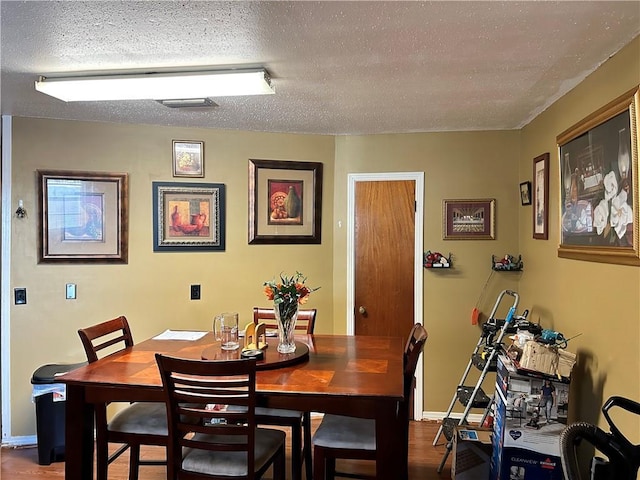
<point x="299" y="422"/>
<point x="305" y="324"/>
<point x="140" y="423"/>
<point x="207" y="440"/>
<point x="341" y="437"/>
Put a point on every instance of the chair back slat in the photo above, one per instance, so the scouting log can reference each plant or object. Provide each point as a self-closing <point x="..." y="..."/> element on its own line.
<point x="98" y="338"/>
<point x="196" y="394"/>
<point x="306" y="318"/>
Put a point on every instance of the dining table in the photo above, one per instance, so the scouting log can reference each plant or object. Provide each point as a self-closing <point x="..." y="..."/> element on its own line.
<point x="360" y="376"/>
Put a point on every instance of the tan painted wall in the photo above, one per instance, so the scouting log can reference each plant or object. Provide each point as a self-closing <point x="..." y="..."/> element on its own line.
<point x="153" y="289"/>
<point x="456" y="165"/>
<point x="599" y="301"/>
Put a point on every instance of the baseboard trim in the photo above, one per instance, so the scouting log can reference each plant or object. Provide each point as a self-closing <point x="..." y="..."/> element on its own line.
<point x="24" y="441"/>
<point x="438" y="416"/>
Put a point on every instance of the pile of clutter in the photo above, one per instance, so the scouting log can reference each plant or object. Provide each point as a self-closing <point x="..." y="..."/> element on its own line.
<point x="436" y="260"/>
<point x="541" y="351"/>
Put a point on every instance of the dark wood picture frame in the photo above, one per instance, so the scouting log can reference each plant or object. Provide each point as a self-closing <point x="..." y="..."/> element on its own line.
<point x="277" y="216"/>
<point x="82" y="217"/>
<point x="188" y="217"/>
<point x="525" y="193"/>
<point x="598" y="165"/>
<point x="469" y="219"/>
<point x="188" y="158"/>
<point x="541" y="197"/>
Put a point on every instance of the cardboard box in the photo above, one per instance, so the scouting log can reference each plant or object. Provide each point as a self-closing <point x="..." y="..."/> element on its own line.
<point x="526" y="446"/>
<point x="539" y="358"/>
<point x="471" y="453"/>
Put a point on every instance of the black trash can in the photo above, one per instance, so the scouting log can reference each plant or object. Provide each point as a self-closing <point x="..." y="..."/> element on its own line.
<point x="49" y="413"/>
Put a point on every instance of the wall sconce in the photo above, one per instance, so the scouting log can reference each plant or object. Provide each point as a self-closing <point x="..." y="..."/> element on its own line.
<point x="20" y="211"/>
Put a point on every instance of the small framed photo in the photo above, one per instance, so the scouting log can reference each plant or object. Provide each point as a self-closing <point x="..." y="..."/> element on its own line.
<point x="285" y="202"/>
<point x="469" y="219"/>
<point x="188" y="158"/>
<point x="188" y="217"/>
<point x="525" y="193"/>
<point x="82" y="217"/>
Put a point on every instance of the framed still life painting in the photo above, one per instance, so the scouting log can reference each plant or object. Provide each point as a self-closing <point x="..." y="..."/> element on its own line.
<point x="188" y="217"/>
<point x="285" y="202"/>
<point x="83" y="217"/>
<point x="599" y="185"/>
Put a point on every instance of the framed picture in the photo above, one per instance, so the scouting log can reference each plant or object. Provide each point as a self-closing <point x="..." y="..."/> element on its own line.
<point x="82" y="217"/>
<point x="599" y="185"/>
<point x="525" y="193"/>
<point x="188" y="217"/>
<point x="469" y="219"/>
<point x="541" y="197"/>
<point x="285" y="202"/>
<point x="188" y="158"/>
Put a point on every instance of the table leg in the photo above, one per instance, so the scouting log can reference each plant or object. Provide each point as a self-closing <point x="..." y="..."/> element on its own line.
<point x="78" y="435"/>
<point x="391" y="461"/>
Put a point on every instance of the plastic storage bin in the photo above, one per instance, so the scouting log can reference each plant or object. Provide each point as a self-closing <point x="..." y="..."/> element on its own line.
<point x="48" y="396"/>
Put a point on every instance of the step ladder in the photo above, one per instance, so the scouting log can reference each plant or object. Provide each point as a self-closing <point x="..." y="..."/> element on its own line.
<point x="483" y="358"/>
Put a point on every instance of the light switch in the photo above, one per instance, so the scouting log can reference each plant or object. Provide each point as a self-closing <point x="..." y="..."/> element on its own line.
<point x="71" y="291"/>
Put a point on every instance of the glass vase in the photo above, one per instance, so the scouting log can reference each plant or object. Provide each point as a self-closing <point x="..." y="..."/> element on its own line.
<point x="286" y="315"/>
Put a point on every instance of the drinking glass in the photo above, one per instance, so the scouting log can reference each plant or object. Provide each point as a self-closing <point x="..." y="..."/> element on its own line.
<point x="225" y="329"/>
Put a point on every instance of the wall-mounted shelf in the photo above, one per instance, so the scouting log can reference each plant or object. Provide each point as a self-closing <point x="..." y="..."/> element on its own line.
<point x="508" y="263"/>
<point x="436" y="260"/>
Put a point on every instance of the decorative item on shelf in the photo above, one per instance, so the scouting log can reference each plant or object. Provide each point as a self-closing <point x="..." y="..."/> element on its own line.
<point x="436" y="260"/>
<point x="255" y="336"/>
<point x="287" y="294"/>
<point x="507" y="263"/>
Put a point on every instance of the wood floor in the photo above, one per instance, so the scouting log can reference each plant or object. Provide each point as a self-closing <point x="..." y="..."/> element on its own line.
<point x="22" y="463"/>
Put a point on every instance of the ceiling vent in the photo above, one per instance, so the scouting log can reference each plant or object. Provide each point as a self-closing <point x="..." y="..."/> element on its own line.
<point x="189" y="103"/>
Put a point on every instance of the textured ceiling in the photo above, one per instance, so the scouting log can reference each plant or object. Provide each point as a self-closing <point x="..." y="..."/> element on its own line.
<point x="337" y="67"/>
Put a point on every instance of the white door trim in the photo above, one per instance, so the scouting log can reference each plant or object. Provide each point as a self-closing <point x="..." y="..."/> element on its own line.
<point x="418" y="177"/>
<point x="5" y="279"/>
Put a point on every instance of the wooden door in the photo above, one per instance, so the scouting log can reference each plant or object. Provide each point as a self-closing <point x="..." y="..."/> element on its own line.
<point x="384" y="234"/>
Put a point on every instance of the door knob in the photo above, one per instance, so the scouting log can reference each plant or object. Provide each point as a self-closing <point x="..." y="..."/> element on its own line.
<point x="362" y="310"/>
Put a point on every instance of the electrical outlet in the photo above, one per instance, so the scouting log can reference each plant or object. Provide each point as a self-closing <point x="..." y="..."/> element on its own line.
<point x="195" y="292"/>
<point x="20" y="296"/>
<point x="71" y="291"/>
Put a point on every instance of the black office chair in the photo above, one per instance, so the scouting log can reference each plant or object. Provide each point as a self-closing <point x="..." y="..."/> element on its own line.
<point x="623" y="456"/>
<point x="355" y="438"/>
<point x="141" y="423"/>
<point x="207" y="440"/>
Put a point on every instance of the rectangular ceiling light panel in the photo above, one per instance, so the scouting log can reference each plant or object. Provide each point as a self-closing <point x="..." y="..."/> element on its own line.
<point x="157" y="86"/>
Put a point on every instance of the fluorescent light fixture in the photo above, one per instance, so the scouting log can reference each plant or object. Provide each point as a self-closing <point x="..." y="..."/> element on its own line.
<point x="157" y="86"/>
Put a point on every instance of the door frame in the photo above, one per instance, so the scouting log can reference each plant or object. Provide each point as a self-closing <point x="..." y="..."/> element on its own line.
<point x="418" y="277"/>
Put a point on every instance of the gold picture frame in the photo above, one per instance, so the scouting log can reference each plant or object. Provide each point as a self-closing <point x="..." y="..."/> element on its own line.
<point x="83" y="217"/>
<point x="599" y="185"/>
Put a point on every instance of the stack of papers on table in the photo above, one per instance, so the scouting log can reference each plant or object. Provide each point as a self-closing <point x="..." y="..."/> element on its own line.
<point x="179" y="335"/>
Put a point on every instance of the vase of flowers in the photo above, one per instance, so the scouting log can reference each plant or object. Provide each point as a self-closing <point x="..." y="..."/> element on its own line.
<point x="287" y="294"/>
